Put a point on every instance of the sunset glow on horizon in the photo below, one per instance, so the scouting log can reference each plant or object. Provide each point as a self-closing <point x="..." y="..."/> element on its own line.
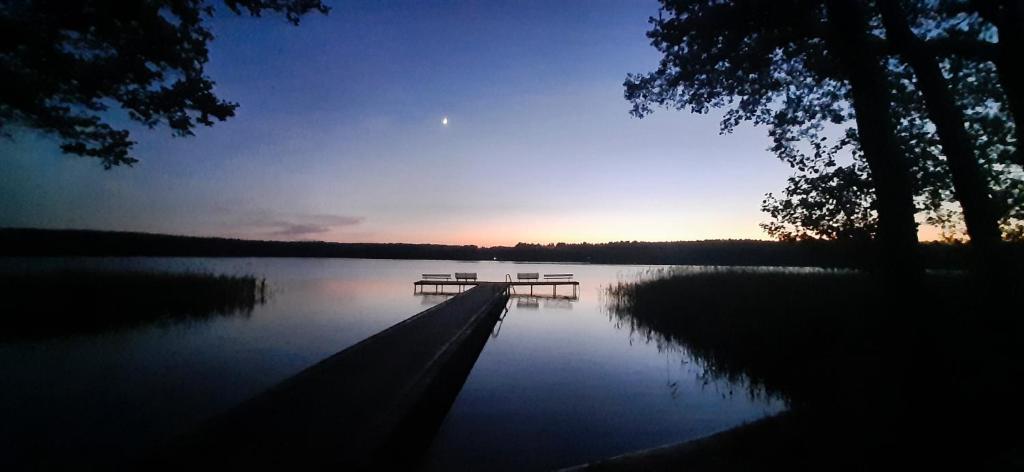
<point x="338" y="141"/>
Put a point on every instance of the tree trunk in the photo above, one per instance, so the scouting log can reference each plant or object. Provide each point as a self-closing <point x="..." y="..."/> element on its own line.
<point x="969" y="184"/>
<point x="1010" y="67"/>
<point x="1008" y="17"/>
<point x="871" y="98"/>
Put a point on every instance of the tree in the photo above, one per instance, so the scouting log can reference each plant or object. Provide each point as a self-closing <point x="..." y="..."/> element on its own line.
<point x="952" y="126"/>
<point x="810" y="205"/>
<point x="767" y="62"/>
<point x="835" y="203"/>
<point x="968" y="179"/>
<point x="848" y="36"/>
<point x="67" y="63"/>
<point x="931" y="68"/>
<point x="1008" y="18"/>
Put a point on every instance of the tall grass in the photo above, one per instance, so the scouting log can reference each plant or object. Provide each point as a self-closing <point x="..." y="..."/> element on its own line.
<point x="773" y="329"/>
<point x="867" y="361"/>
<point x="77" y="302"/>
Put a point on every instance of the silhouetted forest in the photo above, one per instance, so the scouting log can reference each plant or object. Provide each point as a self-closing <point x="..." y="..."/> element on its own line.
<point x="40" y="242"/>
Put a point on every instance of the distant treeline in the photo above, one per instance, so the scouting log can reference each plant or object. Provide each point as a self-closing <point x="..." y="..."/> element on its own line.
<point x="40" y="242"/>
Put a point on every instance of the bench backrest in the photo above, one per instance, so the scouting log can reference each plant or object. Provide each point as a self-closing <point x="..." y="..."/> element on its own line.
<point x="465" y="276"/>
<point x="437" y="276"/>
<point x="528" y="276"/>
<point x="557" y="276"/>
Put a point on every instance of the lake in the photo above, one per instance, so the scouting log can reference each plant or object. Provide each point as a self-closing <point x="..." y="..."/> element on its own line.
<point x="558" y="383"/>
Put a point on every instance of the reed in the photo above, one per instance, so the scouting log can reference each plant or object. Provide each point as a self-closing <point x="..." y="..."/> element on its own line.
<point x="80" y="302"/>
<point x="857" y="361"/>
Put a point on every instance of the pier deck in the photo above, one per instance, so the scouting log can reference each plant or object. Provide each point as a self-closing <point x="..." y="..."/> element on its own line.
<point x="373" y="405"/>
<point x="439" y="285"/>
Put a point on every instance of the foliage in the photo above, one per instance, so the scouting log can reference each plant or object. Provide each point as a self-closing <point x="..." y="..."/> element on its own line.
<point x="830" y="204"/>
<point x="767" y="63"/>
<point x="66" y="64"/>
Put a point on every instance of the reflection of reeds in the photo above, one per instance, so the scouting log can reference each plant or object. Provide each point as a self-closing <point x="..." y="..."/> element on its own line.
<point x="743" y="326"/>
<point x="818" y="337"/>
<point x="864" y="365"/>
<point x="59" y="303"/>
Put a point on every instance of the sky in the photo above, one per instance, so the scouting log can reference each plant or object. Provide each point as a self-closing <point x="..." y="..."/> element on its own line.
<point x="339" y="137"/>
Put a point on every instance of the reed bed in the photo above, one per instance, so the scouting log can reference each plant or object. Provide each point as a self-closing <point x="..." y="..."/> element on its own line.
<point x="81" y="302"/>
<point x="867" y="362"/>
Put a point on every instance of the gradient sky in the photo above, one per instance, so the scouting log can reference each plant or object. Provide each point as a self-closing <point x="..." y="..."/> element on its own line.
<point x="339" y="137"/>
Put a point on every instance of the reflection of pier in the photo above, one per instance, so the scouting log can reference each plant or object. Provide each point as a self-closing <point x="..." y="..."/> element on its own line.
<point x="431" y="298"/>
<point x="455" y="287"/>
<point x="374" y="405"/>
<point x="444" y="295"/>
<point x="533" y="302"/>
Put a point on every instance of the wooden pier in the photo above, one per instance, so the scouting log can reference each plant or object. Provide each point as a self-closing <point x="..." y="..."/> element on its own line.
<point x="375" y="405"/>
<point x="420" y="286"/>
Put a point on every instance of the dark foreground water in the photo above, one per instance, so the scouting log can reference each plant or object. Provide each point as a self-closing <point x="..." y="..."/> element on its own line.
<point x="558" y="383"/>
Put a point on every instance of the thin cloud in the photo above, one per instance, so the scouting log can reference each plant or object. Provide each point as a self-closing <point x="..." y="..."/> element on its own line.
<point x="294" y="230"/>
<point x="301" y="226"/>
<point x="338" y="220"/>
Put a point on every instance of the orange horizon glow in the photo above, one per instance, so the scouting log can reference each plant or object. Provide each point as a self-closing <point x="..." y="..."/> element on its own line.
<point x="488" y="238"/>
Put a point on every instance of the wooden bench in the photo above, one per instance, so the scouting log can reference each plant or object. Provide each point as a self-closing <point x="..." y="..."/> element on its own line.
<point x="465" y="276"/>
<point x="436" y="276"/>
<point x="557" y="276"/>
<point x="527" y="276"/>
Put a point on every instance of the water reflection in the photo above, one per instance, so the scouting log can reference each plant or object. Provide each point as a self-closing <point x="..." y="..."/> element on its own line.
<point x="558" y="303"/>
<point x="867" y="375"/>
<point x="41" y="305"/>
<point x="527" y="303"/>
<point x="431" y="299"/>
<point x="522" y="301"/>
<point x="556" y="384"/>
<point x="496" y="330"/>
<point x="564" y="384"/>
<point x="645" y="328"/>
<point x="551" y="302"/>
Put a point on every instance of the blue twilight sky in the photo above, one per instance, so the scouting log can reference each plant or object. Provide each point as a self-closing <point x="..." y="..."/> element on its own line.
<point x="339" y="137"/>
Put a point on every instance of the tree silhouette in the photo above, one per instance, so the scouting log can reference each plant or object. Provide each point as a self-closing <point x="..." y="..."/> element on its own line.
<point x="66" y="63"/>
<point x="969" y="183"/>
<point x="787" y="63"/>
<point x="802" y="210"/>
<point x="1007" y="16"/>
<point x="835" y="203"/>
<point x="929" y="125"/>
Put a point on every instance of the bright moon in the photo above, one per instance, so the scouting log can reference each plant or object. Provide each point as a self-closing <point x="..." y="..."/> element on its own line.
<point x="444" y="121"/>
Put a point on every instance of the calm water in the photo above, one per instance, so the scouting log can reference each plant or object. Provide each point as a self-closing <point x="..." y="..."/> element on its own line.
<point x="557" y="384"/>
